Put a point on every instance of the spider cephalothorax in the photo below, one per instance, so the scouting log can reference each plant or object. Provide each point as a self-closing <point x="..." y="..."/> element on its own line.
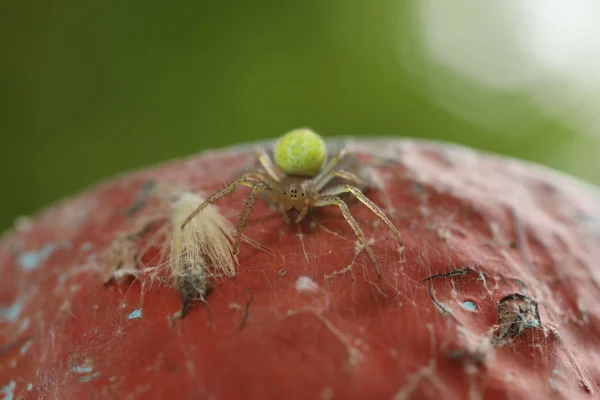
<point x="298" y="180"/>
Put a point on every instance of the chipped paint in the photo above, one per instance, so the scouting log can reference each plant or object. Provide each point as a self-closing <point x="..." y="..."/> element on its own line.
<point x="25" y="347"/>
<point x="533" y="324"/>
<point x="25" y="323"/>
<point x="324" y="333"/>
<point x="135" y="314"/>
<point x="87" y="370"/>
<point x="469" y="305"/>
<point x="9" y="390"/>
<point x="83" y="369"/>
<point x="32" y="259"/>
<point x="12" y="312"/>
<point x="87" y="246"/>
<point x="305" y="284"/>
<point x="29" y="387"/>
<point x="62" y="278"/>
<point x="88" y="378"/>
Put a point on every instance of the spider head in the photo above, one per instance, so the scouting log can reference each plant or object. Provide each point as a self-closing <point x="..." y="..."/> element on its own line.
<point x="294" y="195"/>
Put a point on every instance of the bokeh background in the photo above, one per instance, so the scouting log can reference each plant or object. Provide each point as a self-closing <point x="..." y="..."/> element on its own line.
<point x="90" y="89"/>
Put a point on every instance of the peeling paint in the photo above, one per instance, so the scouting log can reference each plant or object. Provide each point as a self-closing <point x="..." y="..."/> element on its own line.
<point x="135" y="314"/>
<point x="32" y="259"/>
<point x="62" y="278"/>
<point x="88" y="378"/>
<point x="87" y="246"/>
<point x="83" y="369"/>
<point x="325" y="331"/>
<point x="9" y="390"/>
<point x="12" y="312"/>
<point x="517" y="312"/>
<point x="25" y="323"/>
<point x="25" y="347"/>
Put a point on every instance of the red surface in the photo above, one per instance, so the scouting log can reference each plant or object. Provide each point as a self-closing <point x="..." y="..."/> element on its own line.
<point x="519" y="228"/>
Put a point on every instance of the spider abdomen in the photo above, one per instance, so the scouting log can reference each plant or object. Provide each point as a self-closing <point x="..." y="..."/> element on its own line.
<point x="300" y="152"/>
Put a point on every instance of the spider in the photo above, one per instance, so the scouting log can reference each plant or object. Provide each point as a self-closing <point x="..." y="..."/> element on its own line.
<point x="298" y="180"/>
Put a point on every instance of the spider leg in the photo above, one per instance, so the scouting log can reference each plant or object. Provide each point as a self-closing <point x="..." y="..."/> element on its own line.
<point x="266" y="162"/>
<point x="336" y="201"/>
<point x="257" y="187"/>
<point x="337" y="190"/>
<point x="324" y="175"/>
<point x="245" y="180"/>
<point x="286" y="217"/>
<point x="301" y="216"/>
<point x="261" y="175"/>
<point x="346" y="175"/>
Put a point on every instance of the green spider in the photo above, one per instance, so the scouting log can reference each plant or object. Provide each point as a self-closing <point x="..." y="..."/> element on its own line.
<point x="298" y="181"/>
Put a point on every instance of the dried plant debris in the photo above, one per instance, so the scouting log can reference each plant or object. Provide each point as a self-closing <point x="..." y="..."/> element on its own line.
<point x="193" y="284"/>
<point x="122" y="259"/>
<point x="205" y="240"/>
<point x="124" y="252"/>
<point x="199" y="251"/>
<point x="516" y="312"/>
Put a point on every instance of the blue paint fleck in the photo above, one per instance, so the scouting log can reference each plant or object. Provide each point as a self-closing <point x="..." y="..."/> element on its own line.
<point x="26" y="347"/>
<point x="9" y="390"/>
<point x="25" y="324"/>
<point x="87" y="246"/>
<point x="469" y="305"/>
<point x="29" y="387"/>
<point x="63" y="277"/>
<point x="135" y="314"/>
<point x="533" y="324"/>
<point x="11" y="313"/>
<point x="32" y="259"/>
<point x="83" y="370"/>
<point x="89" y="377"/>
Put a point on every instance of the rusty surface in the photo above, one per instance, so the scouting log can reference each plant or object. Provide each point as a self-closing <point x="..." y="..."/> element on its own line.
<point x="477" y="228"/>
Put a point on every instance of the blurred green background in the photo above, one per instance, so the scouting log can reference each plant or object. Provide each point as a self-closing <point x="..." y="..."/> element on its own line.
<point x="90" y="89"/>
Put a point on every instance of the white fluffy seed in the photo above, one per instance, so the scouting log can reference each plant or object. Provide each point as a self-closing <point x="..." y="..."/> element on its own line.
<point x="205" y="240"/>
